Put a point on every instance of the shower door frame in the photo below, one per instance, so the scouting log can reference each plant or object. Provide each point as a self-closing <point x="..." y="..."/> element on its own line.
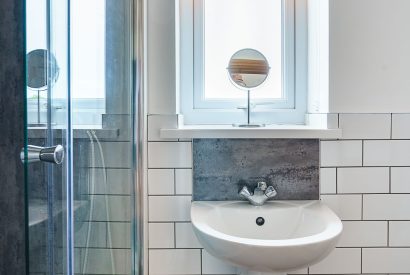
<point x="139" y="122"/>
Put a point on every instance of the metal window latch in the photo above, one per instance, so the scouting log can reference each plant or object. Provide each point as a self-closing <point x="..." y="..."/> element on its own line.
<point x="53" y="154"/>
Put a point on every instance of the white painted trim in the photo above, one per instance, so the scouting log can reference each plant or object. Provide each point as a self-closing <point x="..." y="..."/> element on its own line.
<point x="270" y="131"/>
<point x="288" y="63"/>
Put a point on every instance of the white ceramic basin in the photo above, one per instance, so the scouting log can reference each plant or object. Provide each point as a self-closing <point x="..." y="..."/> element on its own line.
<point x="295" y="234"/>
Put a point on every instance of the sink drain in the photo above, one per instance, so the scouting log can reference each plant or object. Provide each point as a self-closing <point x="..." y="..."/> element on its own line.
<point x="260" y="221"/>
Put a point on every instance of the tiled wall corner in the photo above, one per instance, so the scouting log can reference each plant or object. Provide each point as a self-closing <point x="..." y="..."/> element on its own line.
<point x="365" y="179"/>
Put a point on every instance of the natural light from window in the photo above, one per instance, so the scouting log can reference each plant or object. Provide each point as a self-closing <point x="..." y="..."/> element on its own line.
<point x="231" y="25"/>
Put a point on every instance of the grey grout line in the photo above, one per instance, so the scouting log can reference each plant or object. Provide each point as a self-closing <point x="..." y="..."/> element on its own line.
<point x="362" y="207"/>
<point x="390" y="180"/>
<point x="367" y="139"/>
<point x="106" y="194"/>
<point x="107" y="227"/>
<point x="127" y="222"/>
<point x="370" y="220"/>
<point x="373" y="247"/>
<point x="107" y="168"/>
<point x="362" y="153"/>
<point x="361" y="260"/>
<point x="338" y="120"/>
<point x="95" y="221"/>
<point x="367" y="166"/>
<point x="169" y="221"/>
<point x="337" y="189"/>
<point x="391" y="126"/>
<point x="169" y="141"/>
<point x="169" y="168"/>
<point x="170" y="195"/>
<point x="100" y="247"/>
<point x="385" y="193"/>
<point x="200" y="255"/>
<point x="178" y="248"/>
<point x="175" y="183"/>
<point x="175" y="235"/>
<point x="388" y="233"/>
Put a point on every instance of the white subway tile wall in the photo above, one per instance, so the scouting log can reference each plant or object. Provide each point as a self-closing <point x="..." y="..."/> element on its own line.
<point x="212" y="265"/>
<point x="185" y="237"/>
<point x="327" y="180"/>
<point x="365" y="126"/>
<point x="365" y="179"/>
<point x="339" y="261"/>
<point x="161" y="182"/>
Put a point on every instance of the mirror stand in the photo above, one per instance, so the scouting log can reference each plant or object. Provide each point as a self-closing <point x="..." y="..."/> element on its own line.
<point x="248" y="109"/>
<point x="248" y="69"/>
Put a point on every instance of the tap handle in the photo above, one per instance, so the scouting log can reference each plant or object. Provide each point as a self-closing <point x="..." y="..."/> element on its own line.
<point x="245" y="192"/>
<point x="262" y="185"/>
<point x="270" y="192"/>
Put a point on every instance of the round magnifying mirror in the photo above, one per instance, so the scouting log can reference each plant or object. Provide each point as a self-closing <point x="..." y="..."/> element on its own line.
<point x="248" y="69"/>
<point x="37" y="69"/>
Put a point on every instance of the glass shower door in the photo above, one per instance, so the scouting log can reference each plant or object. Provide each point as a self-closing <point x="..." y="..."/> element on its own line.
<point x="47" y="150"/>
<point x="103" y="146"/>
<point x="80" y="98"/>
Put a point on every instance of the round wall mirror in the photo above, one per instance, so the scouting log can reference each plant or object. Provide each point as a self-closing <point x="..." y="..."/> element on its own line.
<point x="248" y="69"/>
<point x="37" y="69"/>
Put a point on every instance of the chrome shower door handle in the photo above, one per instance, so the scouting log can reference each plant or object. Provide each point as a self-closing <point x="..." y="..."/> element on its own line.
<point x="53" y="154"/>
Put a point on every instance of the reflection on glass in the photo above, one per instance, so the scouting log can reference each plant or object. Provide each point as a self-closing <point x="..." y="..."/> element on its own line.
<point x="38" y="76"/>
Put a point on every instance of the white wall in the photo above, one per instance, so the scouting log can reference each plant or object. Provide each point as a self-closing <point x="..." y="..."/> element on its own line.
<point x="161" y="60"/>
<point x="369" y="56"/>
<point x="364" y="177"/>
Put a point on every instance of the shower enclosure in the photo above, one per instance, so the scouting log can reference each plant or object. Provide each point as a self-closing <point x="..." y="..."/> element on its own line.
<point x="82" y="151"/>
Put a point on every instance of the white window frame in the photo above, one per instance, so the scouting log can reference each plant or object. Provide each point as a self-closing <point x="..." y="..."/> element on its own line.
<point x="290" y="110"/>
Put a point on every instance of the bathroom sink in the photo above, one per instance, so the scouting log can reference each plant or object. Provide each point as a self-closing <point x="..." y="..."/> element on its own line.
<point x="280" y="236"/>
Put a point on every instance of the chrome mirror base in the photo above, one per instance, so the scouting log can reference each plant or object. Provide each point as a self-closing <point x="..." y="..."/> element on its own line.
<point x="252" y="125"/>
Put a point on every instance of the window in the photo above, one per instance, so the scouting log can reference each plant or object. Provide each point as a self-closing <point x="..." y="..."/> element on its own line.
<point x="211" y="31"/>
<point x="88" y="59"/>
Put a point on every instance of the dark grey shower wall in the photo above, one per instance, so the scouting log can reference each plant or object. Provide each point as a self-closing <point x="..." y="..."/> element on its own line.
<point x="223" y="166"/>
<point x="118" y="78"/>
<point x="12" y="86"/>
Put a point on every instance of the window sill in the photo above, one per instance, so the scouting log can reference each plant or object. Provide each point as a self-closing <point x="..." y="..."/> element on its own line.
<point x="270" y="131"/>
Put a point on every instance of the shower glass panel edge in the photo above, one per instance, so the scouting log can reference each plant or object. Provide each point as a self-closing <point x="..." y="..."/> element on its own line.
<point x="139" y="131"/>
